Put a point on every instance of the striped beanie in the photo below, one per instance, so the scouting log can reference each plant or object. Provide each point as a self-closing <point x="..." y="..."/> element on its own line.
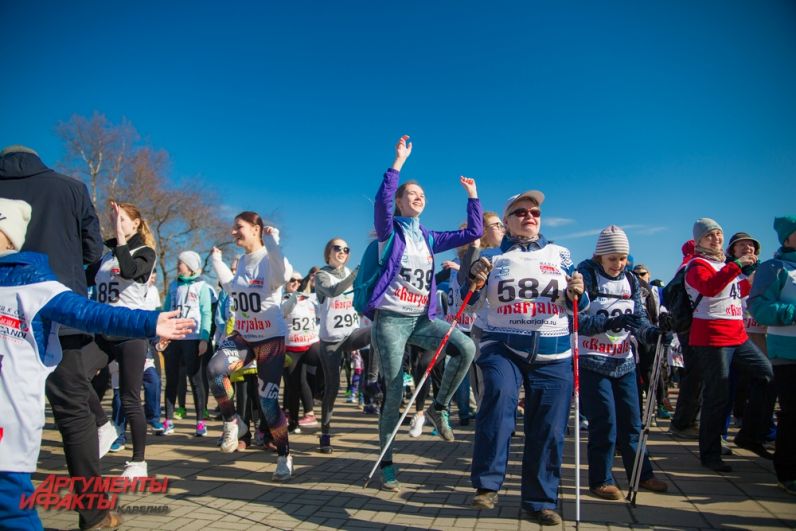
<point x="612" y="240"/>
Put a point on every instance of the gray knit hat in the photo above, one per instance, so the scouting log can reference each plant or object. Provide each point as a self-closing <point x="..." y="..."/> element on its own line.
<point x="192" y="260"/>
<point x="612" y="240"/>
<point x="702" y="226"/>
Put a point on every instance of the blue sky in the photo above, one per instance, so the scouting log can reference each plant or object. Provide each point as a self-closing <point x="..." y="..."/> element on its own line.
<point x="645" y="115"/>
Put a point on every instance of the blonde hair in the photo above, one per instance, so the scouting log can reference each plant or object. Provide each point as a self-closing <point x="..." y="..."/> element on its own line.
<point x="143" y="226"/>
<point x="488" y="214"/>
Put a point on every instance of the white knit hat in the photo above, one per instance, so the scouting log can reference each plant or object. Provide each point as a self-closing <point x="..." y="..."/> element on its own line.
<point x="192" y="260"/>
<point x="612" y="240"/>
<point x="14" y="219"/>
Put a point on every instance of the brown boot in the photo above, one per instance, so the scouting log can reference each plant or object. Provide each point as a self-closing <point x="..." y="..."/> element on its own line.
<point x="607" y="492"/>
<point x="654" y="484"/>
<point x="112" y="520"/>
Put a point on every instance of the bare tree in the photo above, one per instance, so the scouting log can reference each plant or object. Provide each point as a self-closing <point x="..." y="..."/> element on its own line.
<point x="115" y="166"/>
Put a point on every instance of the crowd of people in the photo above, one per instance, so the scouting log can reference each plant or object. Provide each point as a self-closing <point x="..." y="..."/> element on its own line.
<point x="727" y="321"/>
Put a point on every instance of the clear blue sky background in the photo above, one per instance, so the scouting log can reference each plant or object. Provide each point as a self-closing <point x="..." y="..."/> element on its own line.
<point x="642" y="114"/>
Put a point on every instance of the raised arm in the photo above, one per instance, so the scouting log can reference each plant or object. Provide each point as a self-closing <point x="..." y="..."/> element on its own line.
<point x="223" y="272"/>
<point x="281" y="270"/>
<point x="385" y="196"/>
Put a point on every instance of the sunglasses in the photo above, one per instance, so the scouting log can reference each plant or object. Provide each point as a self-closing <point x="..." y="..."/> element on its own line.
<point x="295" y="280"/>
<point x="339" y="249"/>
<point x="526" y="212"/>
<point x="642" y="273"/>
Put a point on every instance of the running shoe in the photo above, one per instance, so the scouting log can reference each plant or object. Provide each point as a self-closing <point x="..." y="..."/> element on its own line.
<point x="107" y="434"/>
<point x="229" y="442"/>
<point x="440" y="421"/>
<point x="206" y="415"/>
<point x="179" y="413"/>
<point x="168" y="428"/>
<point x="370" y="409"/>
<point x="284" y="468"/>
<point x="325" y="446"/>
<point x="388" y="479"/>
<point x="118" y="444"/>
<point x="201" y="429"/>
<point x="409" y="381"/>
<point x="294" y="430"/>
<point x="416" y="428"/>
<point x="135" y="469"/>
<point x="663" y="413"/>
<point x="157" y="426"/>
<point x="308" y="420"/>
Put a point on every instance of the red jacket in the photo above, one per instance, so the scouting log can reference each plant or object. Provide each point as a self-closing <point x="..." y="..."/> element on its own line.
<point x="710" y="283"/>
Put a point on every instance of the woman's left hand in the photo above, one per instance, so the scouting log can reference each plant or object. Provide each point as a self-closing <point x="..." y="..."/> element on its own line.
<point x="117" y="223"/>
<point x="574" y="286"/>
<point x="469" y="185"/>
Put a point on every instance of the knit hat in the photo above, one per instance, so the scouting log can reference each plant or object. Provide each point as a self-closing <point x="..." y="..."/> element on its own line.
<point x="192" y="260"/>
<point x="612" y="240"/>
<point x="702" y="226"/>
<point x="740" y="236"/>
<point x="14" y="219"/>
<point x="534" y="195"/>
<point x="785" y="226"/>
<point x="640" y="267"/>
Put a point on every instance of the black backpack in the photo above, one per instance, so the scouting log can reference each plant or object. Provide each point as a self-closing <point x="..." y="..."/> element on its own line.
<point x="678" y="303"/>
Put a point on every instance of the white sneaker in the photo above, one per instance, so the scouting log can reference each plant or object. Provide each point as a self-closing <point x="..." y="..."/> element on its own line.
<point x="229" y="438"/>
<point x="416" y="427"/>
<point x="284" y="468"/>
<point x="134" y="469"/>
<point x="107" y="434"/>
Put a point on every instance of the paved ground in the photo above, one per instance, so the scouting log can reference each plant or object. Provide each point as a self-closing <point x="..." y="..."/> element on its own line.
<point x="234" y="491"/>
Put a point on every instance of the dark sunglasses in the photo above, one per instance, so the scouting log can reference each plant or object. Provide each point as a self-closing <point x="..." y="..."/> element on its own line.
<point x="525" y="212"/>
<point x="295" y="280"/>
<point x="642" y="273"/>
<point x="339" y="249"/>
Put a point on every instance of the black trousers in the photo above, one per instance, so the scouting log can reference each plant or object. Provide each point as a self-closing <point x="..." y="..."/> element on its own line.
<point x="70" y="392"/>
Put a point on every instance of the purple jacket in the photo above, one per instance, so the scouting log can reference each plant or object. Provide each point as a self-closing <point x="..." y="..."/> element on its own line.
<point x="442" y="241"/>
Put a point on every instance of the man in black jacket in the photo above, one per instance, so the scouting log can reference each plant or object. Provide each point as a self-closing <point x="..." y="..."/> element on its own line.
<point x="64" y="226"/>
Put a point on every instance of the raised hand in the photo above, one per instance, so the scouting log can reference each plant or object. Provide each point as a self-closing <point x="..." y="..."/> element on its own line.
<point x="402" y="151"/>
<point x="116" y="218"/>
<point x="216" y="253"/>
<point x="469" y="185"/>
<point x="171" y="326"/>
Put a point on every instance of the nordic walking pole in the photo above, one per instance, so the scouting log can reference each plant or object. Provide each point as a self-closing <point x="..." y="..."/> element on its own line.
<point x="577" y="406"/>
<point x="649" y="412"/>
<point x="419" y="386"/>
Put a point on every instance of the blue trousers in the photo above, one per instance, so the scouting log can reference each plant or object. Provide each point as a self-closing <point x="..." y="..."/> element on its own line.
<point x="715" y="363"/>
<point x="548" y="393"/>
<point x="12" y="486"/>
<point x="611" y="406"/>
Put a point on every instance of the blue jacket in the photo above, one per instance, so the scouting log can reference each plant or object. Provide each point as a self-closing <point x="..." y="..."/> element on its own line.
<point x="440" y="241"/>
<point x="767" y="306"/>
<point x="68" y="308"/>
<point x="593" y="324"/>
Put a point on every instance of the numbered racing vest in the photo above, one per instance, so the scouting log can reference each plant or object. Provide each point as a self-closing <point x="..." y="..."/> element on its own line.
<point x="613" y="298"/>
<point x="521" y="289"/>
<point x="302" y="323"/>
<point x="114" y="290"/>
<point x="23" y="370"/>
<point x="184" y="296"/>
<point x="408" y="291"/>
<point x="454" y="302"/>
<point x="257" y="310"/>
<point x="338" y="316"/>
<point x="724" y="305"/>
<point x="788" y="296"/>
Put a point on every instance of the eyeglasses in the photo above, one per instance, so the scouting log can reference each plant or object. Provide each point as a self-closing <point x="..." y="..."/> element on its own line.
<point x="525" y="212"/>
<point x="496" y="225"/>
<point x="339" y="249"/>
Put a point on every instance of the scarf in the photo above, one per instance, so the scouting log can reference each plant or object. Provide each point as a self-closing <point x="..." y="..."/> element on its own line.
<point x="704" y="252"/>
<point x="411" y="228"/>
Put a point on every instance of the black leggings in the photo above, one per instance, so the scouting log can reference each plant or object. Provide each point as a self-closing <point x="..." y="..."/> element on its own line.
<point x="420" y="360"/>
<point x="331" y="356"/>
<point x="297" y="388"/>
<point x="184" y="352"/>
<point x="131" y="356"/>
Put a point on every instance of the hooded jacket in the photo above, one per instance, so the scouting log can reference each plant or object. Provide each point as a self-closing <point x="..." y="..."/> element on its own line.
<point x="63" y="223"/>
<point x="772" y="302"/>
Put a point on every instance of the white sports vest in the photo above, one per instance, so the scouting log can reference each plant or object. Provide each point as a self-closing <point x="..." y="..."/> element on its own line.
<point x="114" y="290"/>
<point x="302" y="323"/>
<point x="408" y="291"/>
<point x="521" y="289"/>
<point x="184" y="296"/>
<point x="787" y="295"/>
<point x="23" y="371"/>
<point x="337" y="314"/>
<point x="454" y="302"/>
<point x="724" y="305"/>
<point x="257" y="310"/>
<point x="612" y="343"/>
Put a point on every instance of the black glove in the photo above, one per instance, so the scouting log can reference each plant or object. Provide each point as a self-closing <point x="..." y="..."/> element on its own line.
<point x="628" y="321"/>
<point x="666" y="337"/>
<point x="665" y="322"/>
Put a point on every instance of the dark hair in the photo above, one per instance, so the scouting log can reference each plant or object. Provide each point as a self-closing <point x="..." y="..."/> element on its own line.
<point x="400" y="193"/>
<point x="327" y="251"/>
<point x="252" y="218"/>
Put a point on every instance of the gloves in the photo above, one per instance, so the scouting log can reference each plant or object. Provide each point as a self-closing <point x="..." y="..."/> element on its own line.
<point x="628" y="321"/>
<point x="666" y="337"/>
<point x="665" y="322"/>
<point x="479" y="272"/>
